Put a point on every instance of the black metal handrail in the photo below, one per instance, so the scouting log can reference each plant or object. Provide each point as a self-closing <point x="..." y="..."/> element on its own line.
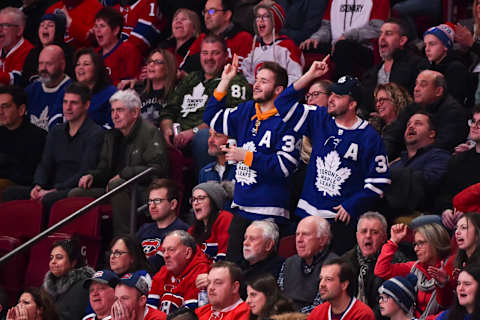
<point x="131" y="182"/>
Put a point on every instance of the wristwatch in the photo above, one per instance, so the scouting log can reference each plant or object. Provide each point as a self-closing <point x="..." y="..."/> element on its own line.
<point x="195" y="130"/>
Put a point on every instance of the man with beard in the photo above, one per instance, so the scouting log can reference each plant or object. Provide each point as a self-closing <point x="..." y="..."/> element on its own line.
<point x="348" y="168"/>
<point x="399" y="65"/>
<point x="337" y="285"/>
<point x="267" y="152"/>
<point x="190" y="98"/>
<point x="220" y="169"/>
<point x="45" y="96"/>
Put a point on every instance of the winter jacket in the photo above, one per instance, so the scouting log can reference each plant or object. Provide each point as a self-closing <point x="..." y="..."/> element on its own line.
<point x="142" y="148"/>
<point x="385" y="269"/>
<point x="67" y="292"/>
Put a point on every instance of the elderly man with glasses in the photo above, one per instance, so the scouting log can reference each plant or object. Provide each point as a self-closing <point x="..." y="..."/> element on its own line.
<point x="13" y="47"/>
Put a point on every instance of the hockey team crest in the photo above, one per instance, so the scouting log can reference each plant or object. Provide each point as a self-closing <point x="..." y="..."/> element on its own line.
<point x="329" y="176"/>
<point x="243" y="173"/>
<point x="193" y="102"/>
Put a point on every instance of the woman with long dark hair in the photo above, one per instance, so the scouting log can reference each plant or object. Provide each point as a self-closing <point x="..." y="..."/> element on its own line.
<point x="33" y="304"/>
<point x="90" y="70"/>
<point x="210" y="228"/>
<point x="265" y="298"/>
<point x="64" y="281"/>
<point x="467" y="236"/>
<point x="126" y="255"/>
<point x="466" y="305"/>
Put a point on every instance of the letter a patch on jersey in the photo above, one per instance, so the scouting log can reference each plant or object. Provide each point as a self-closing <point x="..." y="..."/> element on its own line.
<point x="329" y="176"/>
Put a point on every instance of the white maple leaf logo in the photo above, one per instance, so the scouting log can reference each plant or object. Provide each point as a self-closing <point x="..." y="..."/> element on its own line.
<point x="329" y="176"/>
<point x="243" y="173"/>
<point x="42" y="120"/>
<point x="193" y="102"/>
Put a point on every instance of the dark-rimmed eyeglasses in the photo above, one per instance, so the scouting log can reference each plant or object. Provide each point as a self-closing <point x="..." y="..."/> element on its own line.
<point x="116" y="253"/>
<point x="199" y="199"/>
<point x="157" y="201"/>
<point x="211" y="11"/>
<point x="474" y="123"/>
<point x="315" y="94"/>
<point x="8" y="25"/>
<point x="155" y="61"/>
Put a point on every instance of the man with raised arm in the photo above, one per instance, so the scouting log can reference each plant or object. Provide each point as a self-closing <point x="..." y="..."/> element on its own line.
<point x="266" y="154"/>
<point x="348" y="168"/>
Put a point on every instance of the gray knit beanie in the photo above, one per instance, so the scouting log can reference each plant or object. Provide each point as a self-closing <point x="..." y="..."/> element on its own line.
<point x="215" y="191"/>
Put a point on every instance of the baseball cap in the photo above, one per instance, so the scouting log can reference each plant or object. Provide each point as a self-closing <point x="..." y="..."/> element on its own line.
<point x="102" y="276"/>
<point x="348" y="85"/>
<point x="140" y="280"/>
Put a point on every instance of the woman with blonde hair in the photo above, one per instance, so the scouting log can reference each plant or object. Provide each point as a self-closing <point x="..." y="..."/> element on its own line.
<point x="433" y="267"/>
<point x="186" y="27"/>
<point x="390" y="100"/>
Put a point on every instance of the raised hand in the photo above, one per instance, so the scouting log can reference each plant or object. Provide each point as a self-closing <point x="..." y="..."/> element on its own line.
<point x="230" y="70"/>
<point x="439" y="274"/>
<point x="398" y="232"/>
<point x="319" y="68"/>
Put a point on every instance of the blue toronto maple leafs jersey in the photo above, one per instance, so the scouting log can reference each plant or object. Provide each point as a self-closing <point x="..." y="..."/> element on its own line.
<point x="261" y="190"/>
<point x="45" y="105"/>
<point x="348" y="166"/>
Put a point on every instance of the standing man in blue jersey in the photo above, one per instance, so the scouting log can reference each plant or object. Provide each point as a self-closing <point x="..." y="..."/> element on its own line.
<point x="267" y="151"/>
<point x="348" y="169"/>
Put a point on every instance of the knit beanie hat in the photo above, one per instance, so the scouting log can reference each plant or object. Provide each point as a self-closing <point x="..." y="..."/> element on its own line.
<point x="215" y="191"/>
<point x="402" y="289"/>
<point x="276" y="11"/>
<point x="444" y="32"/>
<point x="60" y="24"/>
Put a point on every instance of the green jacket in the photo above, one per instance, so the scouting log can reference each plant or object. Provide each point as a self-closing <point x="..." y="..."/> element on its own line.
<point x="144" y="148"/>
<point x="188" y="102"/>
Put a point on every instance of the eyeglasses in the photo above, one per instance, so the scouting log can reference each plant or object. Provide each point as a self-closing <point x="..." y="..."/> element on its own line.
<point x="383" y="298"/>
<point x="381" y="101"/>
<point x="157" y="61"/>
<point x="8" y="25"/>
<point x="474" y="123"/>
<point x="199" y="199"/>
<point x="419" y="244"/>
<point x="116" y="253"/>
<point x="211" y="11"/>
<point x="263" y="17"/>
<point x="157" y="201"/>
<point x="315" y="94"/>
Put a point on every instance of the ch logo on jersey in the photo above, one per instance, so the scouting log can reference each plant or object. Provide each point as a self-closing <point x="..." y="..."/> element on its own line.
<point x="170" y="302"/>
<point x="243" y="173"/>
<point x="329" y="176"/>
<point x="193" y="102"/>
<point x="151" y="246"/>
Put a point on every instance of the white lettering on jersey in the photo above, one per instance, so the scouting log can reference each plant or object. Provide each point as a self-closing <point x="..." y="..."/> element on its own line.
<point x="193" y="102"/>
<point x="243" y="173"/>
<point x="329" y="176"/>
<point x="266" y="139"/>
<point x="352" y="152"/>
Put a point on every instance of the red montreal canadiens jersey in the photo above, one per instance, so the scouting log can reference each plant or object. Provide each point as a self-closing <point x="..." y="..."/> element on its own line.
<point x="143" y="23"/>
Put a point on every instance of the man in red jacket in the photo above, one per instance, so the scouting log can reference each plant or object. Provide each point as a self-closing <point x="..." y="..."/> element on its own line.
<point x="13" y="47"/>
<point x="174" y="285"/>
